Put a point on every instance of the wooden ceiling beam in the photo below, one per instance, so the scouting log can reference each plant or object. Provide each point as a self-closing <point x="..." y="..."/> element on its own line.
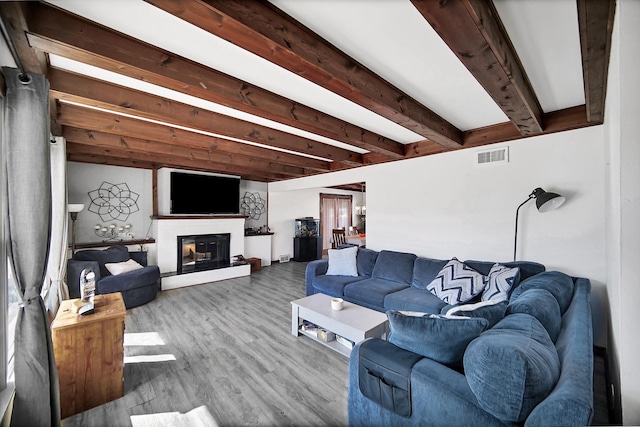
<point x="556" y="121"/>
<point x="88" y="91"/>
<point x="129" y="163"/>
<point x="13" y="15"/>
<point x="55" y="31"/>
<point x="595" y="21"/>
<point x="93" y="120"/>
<point x="110" y="141"/>
<point x="475" y="34"/>
<point x="269" y="33"/>
<point x="141" y="164"/>
<point x="168" y="161"/>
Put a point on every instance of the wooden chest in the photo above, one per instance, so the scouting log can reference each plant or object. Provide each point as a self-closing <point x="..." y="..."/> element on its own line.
<point x="89" y="353"/>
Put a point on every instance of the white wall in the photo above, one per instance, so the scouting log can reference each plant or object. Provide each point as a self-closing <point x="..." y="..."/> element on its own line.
<point x="445" y="205"/>
<point x="623" y="197"/>
<point x="83" y="178"/>
<point x="286" y="206"/>
<point x="253" y="187"/>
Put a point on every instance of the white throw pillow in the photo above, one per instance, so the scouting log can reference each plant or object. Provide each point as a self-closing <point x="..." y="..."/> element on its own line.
<point x="342" y="262"/>
<point x="116" y="268"/>
<point x="457" y="283"/>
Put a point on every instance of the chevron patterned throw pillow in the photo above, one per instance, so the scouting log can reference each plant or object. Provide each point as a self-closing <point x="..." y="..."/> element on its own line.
<point x="500" y="281"/>
<point x="457" y="283"/>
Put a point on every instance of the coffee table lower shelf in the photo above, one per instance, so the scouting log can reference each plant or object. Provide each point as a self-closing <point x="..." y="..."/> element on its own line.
<point x="333" y="345"/>
<point x="353" y="322"/>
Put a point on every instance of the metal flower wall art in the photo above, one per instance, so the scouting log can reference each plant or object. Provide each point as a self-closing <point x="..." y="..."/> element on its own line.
<point x="113" y="201"/>
<point x="253" y="205"/>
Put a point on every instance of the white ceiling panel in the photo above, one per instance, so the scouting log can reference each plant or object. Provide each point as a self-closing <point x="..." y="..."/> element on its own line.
<point x="549" y="48"/>
<point x="392" y="39"/>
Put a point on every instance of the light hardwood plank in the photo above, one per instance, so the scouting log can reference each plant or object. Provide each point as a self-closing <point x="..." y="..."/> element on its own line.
<point x="234" y="353"/>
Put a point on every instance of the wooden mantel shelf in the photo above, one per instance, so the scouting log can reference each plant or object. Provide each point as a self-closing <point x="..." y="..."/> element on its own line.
<point x="113" y="243"/>
<point x="160" y="217"/>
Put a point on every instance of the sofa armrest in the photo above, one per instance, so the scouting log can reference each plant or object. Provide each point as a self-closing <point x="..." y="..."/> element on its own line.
<point x="440" y="396"/>
<point x="571" y="401"/>
<point x="131" y="280"/>
<point x="139" y="256"/>
<point x="314" y="268"/>
<point x="74" y="270"/>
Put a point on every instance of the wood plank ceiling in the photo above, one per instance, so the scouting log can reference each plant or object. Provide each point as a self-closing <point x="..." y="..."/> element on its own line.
<point x="106" y="123"/>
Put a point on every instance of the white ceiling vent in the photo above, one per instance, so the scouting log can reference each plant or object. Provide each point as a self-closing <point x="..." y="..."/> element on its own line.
<point x="500" y="155"/>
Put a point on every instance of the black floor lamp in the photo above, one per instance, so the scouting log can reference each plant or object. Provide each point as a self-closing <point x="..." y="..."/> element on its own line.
<point x="545" y="202"/>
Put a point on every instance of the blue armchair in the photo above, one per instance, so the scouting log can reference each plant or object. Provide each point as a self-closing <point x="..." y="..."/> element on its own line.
<point x="137" y="287"/>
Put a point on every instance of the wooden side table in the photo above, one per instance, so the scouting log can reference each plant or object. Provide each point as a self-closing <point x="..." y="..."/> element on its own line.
<point x="89" y="353"/>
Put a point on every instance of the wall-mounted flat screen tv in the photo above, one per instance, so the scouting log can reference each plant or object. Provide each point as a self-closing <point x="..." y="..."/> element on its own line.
<point x="204" y="194"/>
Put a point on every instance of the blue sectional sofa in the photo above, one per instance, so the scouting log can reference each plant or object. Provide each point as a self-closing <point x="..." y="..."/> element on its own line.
<point x="390" y="280"/>
<point x="531" y="364"/>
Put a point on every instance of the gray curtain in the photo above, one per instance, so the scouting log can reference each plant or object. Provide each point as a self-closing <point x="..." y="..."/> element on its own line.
<point x="37" y="401"/>
<point x="55" y="289"/>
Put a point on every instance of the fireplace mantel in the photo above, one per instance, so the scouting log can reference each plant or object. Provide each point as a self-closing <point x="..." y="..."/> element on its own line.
<point x="161" y="217"/>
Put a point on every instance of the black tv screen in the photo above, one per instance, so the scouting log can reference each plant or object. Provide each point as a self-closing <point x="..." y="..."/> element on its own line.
<point x="204" y="194"/>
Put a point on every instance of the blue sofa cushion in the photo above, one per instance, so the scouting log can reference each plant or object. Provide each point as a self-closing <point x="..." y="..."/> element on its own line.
<point x="527" y="268"/>
<point x="500" y="281"/>
<point x="109" y="255"/>
<point x="334" y="285"/>
<point x="443" y="339"/>
<point x="413" y="299"/>
<point x="366" y="260"/>
<point x="490" y="310"/>
<point x="559" y="284"/>
<point x="543" y="306"/>
<point x="425" y="270"/>
<point x="394" y="266"/>
<point x="512" y="367"/>
<point x="371" y="292"/>
<point x="342" y="262"/>
<point x="457" y="283"/>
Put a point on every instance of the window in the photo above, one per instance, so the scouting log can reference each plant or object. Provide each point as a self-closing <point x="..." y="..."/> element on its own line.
<point x="335" y="212"/>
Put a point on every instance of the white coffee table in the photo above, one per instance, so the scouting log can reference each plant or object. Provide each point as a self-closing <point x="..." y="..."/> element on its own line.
<point x="352" y="322"/>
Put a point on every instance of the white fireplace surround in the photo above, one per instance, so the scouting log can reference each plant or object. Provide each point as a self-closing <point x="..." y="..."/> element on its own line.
<point x="166" y="232"/>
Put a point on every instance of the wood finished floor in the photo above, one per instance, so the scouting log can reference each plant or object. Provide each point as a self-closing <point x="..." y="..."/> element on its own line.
<point x="234" y="353"/>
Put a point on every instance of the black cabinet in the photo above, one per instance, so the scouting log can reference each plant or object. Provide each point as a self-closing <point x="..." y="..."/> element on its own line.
<point x="307" y="248"/>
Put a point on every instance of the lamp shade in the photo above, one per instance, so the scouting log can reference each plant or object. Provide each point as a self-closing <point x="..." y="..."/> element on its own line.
<point x="75" y="207"/>
<point x="547" y="201"/>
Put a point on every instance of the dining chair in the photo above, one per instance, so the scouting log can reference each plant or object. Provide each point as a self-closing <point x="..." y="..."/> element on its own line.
<point x="338" y="238"/>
